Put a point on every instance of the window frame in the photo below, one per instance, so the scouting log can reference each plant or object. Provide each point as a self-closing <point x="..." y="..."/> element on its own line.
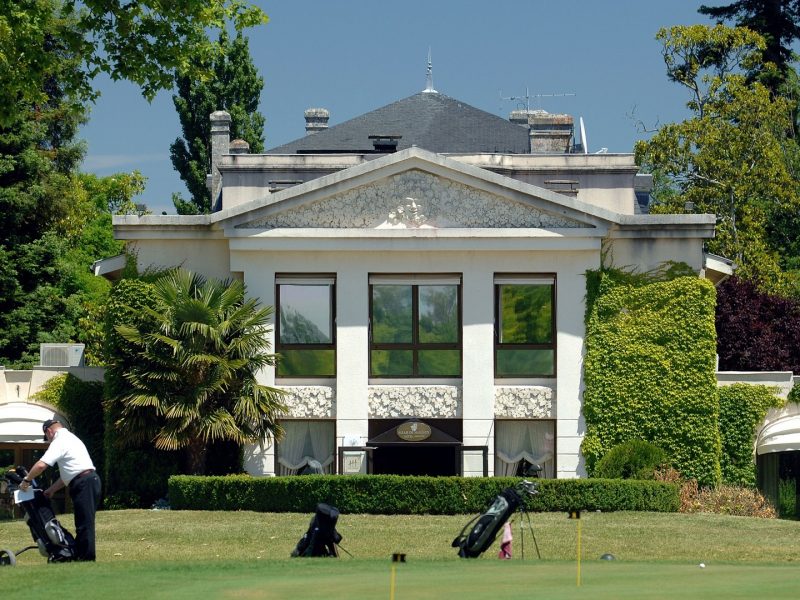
<point x="319" y="279"/>
<point x="532" y="278"/>
<point x="279" y="451"/>
<point x="554" y="433"/>
<point x="415" y="346"/>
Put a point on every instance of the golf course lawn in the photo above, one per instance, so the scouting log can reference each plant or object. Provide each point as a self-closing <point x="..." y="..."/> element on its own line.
<point x="189" y="554"/>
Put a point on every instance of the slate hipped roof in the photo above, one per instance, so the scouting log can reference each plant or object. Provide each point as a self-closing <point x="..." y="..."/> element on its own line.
<point x="428" y="120"/>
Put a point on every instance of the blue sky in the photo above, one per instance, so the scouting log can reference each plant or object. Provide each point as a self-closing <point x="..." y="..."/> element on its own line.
<point x="353" y="56"/>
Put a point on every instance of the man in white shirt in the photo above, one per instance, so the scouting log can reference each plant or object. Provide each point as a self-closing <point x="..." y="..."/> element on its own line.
<point x="77" y="471"/>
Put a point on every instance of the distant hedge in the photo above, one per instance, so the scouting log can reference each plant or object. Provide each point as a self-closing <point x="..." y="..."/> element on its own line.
<point x="396" y="494"/>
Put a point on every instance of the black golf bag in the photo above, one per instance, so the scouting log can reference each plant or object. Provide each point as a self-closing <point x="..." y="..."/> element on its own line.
<point x="321" y="538"/>
<point x="52" y="539"/>
<point x="480" y="532"/>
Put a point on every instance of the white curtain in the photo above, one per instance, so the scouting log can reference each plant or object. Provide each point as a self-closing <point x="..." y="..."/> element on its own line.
<point x="518" y="440"/>
<point x="306" y="443"/>
<point x="322" y="444"/>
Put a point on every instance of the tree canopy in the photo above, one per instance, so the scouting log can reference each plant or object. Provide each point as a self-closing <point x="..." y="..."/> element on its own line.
<point x="54" y="222"/>
<point x="778" y="21"/>
<point x="235" y="87"/>
<point x="143" y="41"/>
<point x="733" y="157"/>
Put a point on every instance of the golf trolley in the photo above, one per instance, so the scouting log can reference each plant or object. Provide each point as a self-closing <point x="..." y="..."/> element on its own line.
<point x="480" y="533"/>
<point x="53" y="541"/>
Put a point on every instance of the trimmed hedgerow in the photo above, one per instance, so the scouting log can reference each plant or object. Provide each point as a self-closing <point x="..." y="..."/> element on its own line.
<point x="742" y="408"/>
<point x="650" y="371"/>
<point x="396" y="494"/>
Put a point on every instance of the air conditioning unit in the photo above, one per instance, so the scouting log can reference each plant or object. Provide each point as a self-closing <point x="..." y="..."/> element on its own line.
<point x="61" y="355"/>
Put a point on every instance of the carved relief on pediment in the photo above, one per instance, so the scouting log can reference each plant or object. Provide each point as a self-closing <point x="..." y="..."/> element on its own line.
<point x="413" y="199"/>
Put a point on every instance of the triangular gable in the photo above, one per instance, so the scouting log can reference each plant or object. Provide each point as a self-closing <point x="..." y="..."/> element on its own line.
<point x="413" y="199"/>
<point x="415" y="188"/>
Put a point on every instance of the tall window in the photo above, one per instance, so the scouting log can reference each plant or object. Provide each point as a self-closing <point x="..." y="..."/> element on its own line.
<point x="308" y="447"/>
<point x="521" y="444"/>
<point x="525" y="326"/>
<point x="415" y="326"/>
<point x="305" y="326"/>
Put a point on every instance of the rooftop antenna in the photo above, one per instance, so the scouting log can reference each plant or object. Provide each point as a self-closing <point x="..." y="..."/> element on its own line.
<point x="429" y="79"/>
<point x="527" y="97"/>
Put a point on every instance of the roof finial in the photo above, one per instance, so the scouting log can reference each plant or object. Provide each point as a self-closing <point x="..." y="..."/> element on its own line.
<point x="429" y="81"/>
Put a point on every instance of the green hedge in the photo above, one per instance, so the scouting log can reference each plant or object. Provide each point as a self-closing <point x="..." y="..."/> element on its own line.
<point x="650" y="370"/>
<point x="396" y="494"/>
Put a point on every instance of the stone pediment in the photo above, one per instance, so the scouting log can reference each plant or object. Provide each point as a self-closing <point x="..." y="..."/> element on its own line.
<point x="413" y="199"/>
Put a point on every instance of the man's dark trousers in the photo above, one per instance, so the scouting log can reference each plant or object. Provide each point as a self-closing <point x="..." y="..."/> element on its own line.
<point x="85" y="494"/>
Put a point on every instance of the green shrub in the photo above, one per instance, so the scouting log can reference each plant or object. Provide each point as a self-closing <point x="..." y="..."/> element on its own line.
<point x="121" y="501"/>
<point x="650" y="370"/>
<point x="634" y="459"/>
<point x="787" y="499"/>
<point x="395" y="494"/>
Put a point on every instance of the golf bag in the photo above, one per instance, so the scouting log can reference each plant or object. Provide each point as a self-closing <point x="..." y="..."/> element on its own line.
<point x="321" y="538"/>
<point x="53" y="541"/>
<point x="480" y="532"/>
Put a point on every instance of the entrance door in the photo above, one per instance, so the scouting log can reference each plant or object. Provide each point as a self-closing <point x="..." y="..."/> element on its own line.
<point x="415" y="459"/>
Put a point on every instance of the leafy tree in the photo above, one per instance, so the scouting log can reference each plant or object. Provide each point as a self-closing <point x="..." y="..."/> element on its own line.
<point x="144" y="41"/>
<point x="778" y="21"/>
<point x="197" y="355"/>
<point x="49" y="293"/>
<point x="38" y="156"/>
<point x="53" y="221"/>
<point x="756" y="331"/>
<point x="733" y="157"/>
<point x="235" y="87"/>
<point x="114" y="194"/>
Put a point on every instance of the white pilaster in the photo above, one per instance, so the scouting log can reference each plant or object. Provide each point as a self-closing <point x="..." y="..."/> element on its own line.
<point x="478" y="370"/>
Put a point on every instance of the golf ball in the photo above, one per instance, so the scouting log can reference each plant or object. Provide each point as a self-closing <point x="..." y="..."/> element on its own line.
<point x="702" y="565"/>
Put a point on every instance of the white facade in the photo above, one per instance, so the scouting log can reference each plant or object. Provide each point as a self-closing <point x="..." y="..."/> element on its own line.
<point x="417" y="214"/>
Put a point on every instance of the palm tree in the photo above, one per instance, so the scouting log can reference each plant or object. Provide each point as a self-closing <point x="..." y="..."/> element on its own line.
<point x="199" y="350"/>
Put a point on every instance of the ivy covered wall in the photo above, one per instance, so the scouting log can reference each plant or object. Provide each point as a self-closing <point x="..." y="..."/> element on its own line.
<point x="650" y="369"/>
<point x="742" y="409"/>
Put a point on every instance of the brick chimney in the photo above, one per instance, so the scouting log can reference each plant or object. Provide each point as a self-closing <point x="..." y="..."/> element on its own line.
<point x="550" y="133"/>
<point x="316" y="119"/>
<point x="220" y="145"/>
<point x="519" y="117"/>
